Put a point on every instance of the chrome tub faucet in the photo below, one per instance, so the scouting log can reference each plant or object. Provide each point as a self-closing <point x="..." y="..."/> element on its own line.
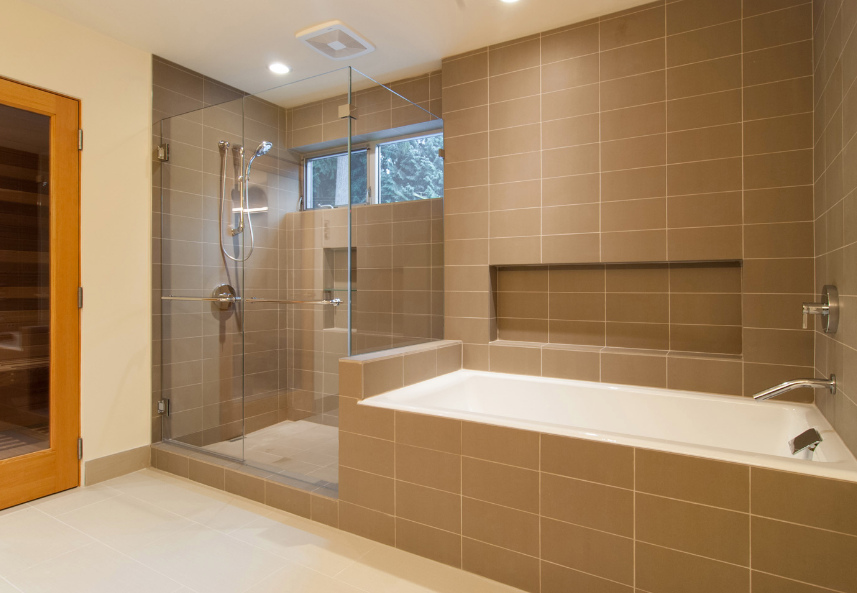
<point x="829" y="384"/>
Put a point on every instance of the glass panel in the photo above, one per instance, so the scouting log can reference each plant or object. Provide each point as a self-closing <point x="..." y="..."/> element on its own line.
<point x="24" y="282"/>
<point x="410" y="169"/>
<point x="293" y="349"/>
<point x="397" y="238"/>
<point x="202" y="345"/>
<point x="328" y="180"/>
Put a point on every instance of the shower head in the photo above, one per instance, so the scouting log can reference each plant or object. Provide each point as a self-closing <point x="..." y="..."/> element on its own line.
<point x="263" y="149"/>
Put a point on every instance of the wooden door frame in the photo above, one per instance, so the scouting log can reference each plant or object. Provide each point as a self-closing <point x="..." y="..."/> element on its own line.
<point x="38" y="474"/>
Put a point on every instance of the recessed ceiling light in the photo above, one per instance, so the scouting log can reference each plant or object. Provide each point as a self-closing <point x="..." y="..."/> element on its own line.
<point x="508" y="1"/>
<point x="278" y="68"/>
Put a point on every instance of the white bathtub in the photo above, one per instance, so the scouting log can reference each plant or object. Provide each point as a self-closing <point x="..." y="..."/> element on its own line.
<point x="719" y="427"/>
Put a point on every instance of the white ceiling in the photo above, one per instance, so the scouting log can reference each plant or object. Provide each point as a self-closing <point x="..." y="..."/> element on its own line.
<point x="234" y="41"/>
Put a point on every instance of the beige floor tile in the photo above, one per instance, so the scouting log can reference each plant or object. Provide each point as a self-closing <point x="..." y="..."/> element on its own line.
<point x="30" y="537"/>
<point x="70" y="500"/>
<point x="125" y="522"/>
<point x="207" y="560"/>
<point x="94" y="568"/>
<point x="310" y="544"/>
<point x="296" y="579"/>
<point x="388" y="570"/>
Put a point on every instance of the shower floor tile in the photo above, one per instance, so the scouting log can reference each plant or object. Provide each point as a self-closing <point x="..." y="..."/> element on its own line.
<point x="152" y="532"/>
<point x="302" y="450"/>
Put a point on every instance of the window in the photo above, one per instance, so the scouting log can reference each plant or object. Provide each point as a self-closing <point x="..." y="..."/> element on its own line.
<point x="403" y="170"/>
<point x="327" y="180"/>
<point x="410" y="169"/>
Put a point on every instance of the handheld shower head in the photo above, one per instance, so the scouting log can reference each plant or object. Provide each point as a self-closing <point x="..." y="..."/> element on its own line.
<point x="263" y="149"/>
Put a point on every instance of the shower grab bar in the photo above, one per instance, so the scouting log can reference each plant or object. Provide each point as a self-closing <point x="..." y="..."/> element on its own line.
<point x="233" y="299"/>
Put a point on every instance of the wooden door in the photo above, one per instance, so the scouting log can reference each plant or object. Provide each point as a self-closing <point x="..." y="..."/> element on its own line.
<point x="39" y="279"/>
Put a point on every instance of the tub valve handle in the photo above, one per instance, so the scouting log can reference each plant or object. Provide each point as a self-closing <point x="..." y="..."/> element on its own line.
<point x="828" y="308"/>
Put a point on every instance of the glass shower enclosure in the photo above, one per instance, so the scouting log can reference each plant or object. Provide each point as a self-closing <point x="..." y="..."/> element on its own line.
<point x="298" y="226"/>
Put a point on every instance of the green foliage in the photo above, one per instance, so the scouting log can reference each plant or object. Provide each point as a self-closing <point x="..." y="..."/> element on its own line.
<point x="324" y="172"/>
<point x="411" y="169"/>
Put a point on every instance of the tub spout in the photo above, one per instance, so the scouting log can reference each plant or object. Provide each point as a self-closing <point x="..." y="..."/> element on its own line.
<point x="797" y="384"/>
<point x="807" y="440"/>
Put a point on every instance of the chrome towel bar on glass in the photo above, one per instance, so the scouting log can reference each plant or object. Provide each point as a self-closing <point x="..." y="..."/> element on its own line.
<point x="230" y="300"/>
<point x="224" y="295"/>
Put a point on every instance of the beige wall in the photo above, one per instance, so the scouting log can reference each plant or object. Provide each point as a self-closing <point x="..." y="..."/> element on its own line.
<point x="113" y="82"/>
<point x="672" y="132"/>
<point x="836" y="205"/>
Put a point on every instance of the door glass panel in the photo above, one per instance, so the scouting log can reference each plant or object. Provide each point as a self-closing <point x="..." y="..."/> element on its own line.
<point x="24" y="281"/>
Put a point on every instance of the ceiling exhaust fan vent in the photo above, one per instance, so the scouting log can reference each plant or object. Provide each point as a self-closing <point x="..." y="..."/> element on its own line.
<point x="335" y="40"/>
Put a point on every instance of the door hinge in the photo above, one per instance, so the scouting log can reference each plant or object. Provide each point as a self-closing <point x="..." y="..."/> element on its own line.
<point x="80" y="297"/>
<point x="441" y="153"/>
<point x="164" y="407"/>
<point x="80" y="139"/>
<point x="80" y="448"/>
<point x="164" y="152"/>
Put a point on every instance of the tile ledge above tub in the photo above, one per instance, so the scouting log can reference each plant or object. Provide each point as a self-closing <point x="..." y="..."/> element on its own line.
<point x="366" y="375"/>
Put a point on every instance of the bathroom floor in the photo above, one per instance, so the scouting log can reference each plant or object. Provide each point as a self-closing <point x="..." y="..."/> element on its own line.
<point x="296" y="449"/>
<point x="151" y="532"/>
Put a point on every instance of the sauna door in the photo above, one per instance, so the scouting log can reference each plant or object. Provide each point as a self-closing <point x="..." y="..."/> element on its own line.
<point x="39" y="278"/>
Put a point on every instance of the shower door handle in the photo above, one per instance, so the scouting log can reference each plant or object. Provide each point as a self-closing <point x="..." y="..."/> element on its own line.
<point x="334" y="302"/>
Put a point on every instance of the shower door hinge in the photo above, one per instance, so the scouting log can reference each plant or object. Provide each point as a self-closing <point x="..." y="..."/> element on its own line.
<point x="80" y="139"/>
<point x="80" y="297"/>
<point x="79" y="448"/>
<point x="164" y="152"/>
<point x="164" y="407"/>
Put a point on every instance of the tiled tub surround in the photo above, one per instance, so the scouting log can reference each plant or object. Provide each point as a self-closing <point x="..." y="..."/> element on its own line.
<point x="836" y="203"/>
<point x="551" y="514"/>
<point x="685" y="422"/>
<point x="673" y="132"/>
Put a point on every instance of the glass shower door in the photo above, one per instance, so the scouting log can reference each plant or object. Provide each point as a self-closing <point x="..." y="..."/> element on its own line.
<point x="202" y="278"/>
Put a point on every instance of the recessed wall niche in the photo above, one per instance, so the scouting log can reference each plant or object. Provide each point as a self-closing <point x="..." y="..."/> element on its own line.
<point x="683" y="307"/>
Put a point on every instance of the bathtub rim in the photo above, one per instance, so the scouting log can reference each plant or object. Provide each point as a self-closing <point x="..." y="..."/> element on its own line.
<point x="841" y="470"/>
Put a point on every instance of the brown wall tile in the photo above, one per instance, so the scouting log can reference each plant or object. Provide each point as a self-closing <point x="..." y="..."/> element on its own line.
<point x="594" y="461"/>
<point x="662" y="569"/>
<point x="428" y="506"/>
<point x="794" y="498"/>
<point x="367" y="523"/>
<point x="428" y="432"/>
<point x="823" y="560"/>
<point x="500" y="526"/>
<point x="693" y="479"/>
<point x="588" y="504"/>
<point x="594" y="552"/>
<point x="505" y="566"/>
<point x="558" y="579"/>
<point x="428" y="542"/>
<point x="366" y="453"/>
<point x="498" y="443"/>
<point x="426" y="467"/>
<point x="648" y="371"/>
<point x="697" y="529"/>
<point x="500" y="484"/>
<point x="367" y="490"/>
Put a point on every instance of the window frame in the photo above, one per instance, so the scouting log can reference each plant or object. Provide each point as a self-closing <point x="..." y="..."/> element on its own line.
<point x="373" y="170"/>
